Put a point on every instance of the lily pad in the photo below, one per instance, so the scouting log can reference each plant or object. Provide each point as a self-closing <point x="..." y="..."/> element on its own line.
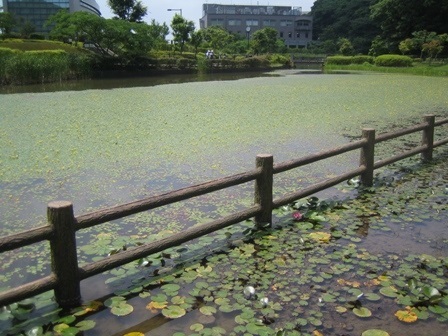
<point x="122" y="309"/>
<point x="362" y="312"/>
<point x="375" y="332"/>
<point x="173" y="312"/>
<point x="407" y="316"/>
<point x="207" y="310"/>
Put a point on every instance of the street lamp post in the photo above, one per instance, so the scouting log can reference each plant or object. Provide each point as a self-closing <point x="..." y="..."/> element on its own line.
<point x="248" y="36"/>
<point x="175" y="10"/>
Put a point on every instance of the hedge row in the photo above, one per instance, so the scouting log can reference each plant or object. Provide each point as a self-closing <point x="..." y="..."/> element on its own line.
<point x="383" y="60"/>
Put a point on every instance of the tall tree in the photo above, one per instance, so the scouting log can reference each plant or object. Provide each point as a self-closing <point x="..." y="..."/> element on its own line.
<point x="349" y="19"/>
<point x="265" y="40"/>
<point x="400" y="18"/>
<point x="217" y="37"/>
<point x="182" y="30"/>
<point x="129" y="10"/>
<point x="7" y="23"/>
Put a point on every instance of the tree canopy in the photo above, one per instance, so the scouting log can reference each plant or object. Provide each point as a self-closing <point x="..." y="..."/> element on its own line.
<point x="129" y="10"/>
<point x="182" y="30"/>
<point x="400" y="18"/>
<point x="108" y="36"/>
<point x="350" y="19"/>
<point x="7" y="22"/>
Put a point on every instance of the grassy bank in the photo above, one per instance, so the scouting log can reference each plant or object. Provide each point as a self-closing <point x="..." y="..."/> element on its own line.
<point x="421" y="69"/>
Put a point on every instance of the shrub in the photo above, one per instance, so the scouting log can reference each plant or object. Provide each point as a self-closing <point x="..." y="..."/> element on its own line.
<point x="362" y="59"/>
<point x="339" y="60"/>
<point x="280" y="59"/>
<point x="253" y="62"/>
<point x="393" y="61"/>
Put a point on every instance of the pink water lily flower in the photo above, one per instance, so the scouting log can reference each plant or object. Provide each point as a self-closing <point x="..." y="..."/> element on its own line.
<point x="297" y="216"/>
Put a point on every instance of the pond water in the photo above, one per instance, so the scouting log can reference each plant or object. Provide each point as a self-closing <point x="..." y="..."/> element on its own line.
<point x="106" y="142"/>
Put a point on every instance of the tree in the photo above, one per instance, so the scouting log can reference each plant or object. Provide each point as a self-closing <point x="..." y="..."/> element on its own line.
<point x="182" y="29"/>
<point x="128" y="10"/>
<point x="109" y="37"/>
<point x="27" y="29"/>
<point x="345" y="47"/>
<point x="217" y="37"/>
<point x="196" y="39"/>
<point x="406" y="46"/>
<point x="7" y="23"/>
<point x="350" y="19"/>
<point x="264" y="40"/>
<point x="400" y="18"/>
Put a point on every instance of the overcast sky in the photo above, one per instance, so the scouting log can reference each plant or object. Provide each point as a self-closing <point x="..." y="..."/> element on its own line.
<point x="192" y="9"/>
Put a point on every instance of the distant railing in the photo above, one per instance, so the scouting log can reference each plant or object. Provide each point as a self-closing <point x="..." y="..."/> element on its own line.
<point x="67" y="274"/>
<point x="298" y="61"/>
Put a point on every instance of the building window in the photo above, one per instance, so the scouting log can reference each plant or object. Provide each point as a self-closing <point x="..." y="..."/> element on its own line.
<point x="302" y="23"/>
<point x="251" y="23"/>
<point x="234" y="22"/>
<point x="286" y="23"/>
<point x="281" y="34"/>
<point x="298" y="35"/>
<point x="289" y="34"/>
<point x="217" y="22"/>
<point x="269" y="23"/>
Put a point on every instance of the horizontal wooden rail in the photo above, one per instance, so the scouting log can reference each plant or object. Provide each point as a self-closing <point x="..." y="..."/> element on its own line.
<point x="120" y="211"/>
<point x="287" y="199"/>
<point x="25" y="238"/>
<point x="396" y="134"/>
<point x="288" y="165"/>
<point x="440" y="142"/>
<point x="66" y="276"/>
<point x="401" y="156"/>
<point x="28" y="290"/>
<point x="441" y="122"/>
<point x="176" y="239"/>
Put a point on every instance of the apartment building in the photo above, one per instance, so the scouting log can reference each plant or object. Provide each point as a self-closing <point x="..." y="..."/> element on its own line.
<point x="294" y="27"/>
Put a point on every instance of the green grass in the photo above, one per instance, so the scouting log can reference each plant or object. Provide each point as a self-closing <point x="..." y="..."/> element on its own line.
<point x="422" y="69"/>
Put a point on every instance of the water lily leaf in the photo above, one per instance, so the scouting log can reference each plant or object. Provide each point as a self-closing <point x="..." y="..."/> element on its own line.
<point x="430" y="292"/>
<point x="407" y="316"/>
<point x="173" y="312"/>
<point x="438" y="309"/>
<point x="207" y="310"/>
<point x="134" y="333"/>
<point x="341" y="309"/>
<point x="122" y="309"/>
<point x="170" y="288"/>
<point x="323" y="237"/>
<point x="85" y="325"/>
<point x="362" y="312"/>
<point x="59" y="328"/>
<point x="196" y="327"/>
<point x="375" y="332"/>
<point x="372" y="296"/>
<point x="389" y="292"/>
<point x="67" y="319"/>
<point x="156" y="305"/>
<point x="113" y="301"/>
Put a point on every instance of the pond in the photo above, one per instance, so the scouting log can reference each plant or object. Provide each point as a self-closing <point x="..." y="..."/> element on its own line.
<point x="101" y="147"/>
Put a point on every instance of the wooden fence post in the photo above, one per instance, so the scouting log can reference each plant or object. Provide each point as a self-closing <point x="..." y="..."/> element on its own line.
<point x="64" y="260"/>
<point x="263" y="189"/>
<point x="428" y="137"/>
<point x="368" y="157"/>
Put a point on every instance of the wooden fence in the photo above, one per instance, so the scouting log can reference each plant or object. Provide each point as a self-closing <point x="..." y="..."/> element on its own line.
<point x="62" y="225"/>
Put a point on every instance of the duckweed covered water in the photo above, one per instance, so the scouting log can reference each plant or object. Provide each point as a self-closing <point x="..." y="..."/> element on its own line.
<point x="103" y="147"/>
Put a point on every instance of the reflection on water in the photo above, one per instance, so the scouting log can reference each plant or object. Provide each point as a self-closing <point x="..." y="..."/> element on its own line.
<point x="129" y="81"/>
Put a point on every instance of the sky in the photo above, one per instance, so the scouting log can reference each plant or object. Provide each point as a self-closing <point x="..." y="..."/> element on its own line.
<point x="192" y="9"/>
